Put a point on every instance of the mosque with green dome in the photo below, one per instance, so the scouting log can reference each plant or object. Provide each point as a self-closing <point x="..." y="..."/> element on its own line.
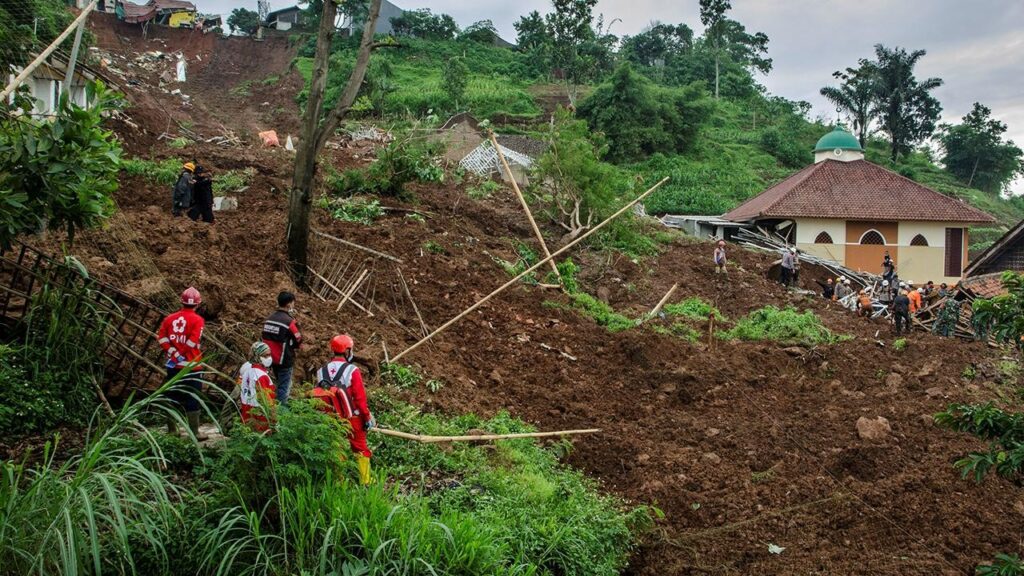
<point x="852" y="211"/>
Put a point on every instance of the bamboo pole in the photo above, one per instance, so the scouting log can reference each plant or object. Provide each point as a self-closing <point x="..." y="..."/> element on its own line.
<point x="46" y="52"/>
<point x="338" y="290"/>
<point x="352" y="290"/>
<point x="526" y="207"/>
<point x="664" y="299"/>
<point x="522" y="274"/>
<point x="354" y="245"/>
<point x="479" y="437"/>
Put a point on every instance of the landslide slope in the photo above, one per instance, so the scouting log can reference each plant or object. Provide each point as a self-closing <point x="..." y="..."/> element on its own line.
<point x="741" y="445"/>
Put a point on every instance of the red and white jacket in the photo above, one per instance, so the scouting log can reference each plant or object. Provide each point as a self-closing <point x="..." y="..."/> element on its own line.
<point x="180" y="335"/>
<point x="344" y="391"/>
<point x="252" y="378"/>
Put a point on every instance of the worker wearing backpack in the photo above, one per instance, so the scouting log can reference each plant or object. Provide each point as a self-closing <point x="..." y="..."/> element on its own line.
<point x="181" y="200"/>
<point x="340" y="386"/>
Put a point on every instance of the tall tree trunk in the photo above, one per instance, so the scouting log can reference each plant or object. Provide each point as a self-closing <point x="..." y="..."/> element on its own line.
<point x="973" y="171"/>
<point x="314" y="134"/>
<point x="717" y="59"/>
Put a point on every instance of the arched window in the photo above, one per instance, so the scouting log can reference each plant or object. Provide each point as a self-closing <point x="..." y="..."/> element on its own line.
<point x="919" y="240"/>
<point x="823" y="238"/>
<point x="872" y="237"/>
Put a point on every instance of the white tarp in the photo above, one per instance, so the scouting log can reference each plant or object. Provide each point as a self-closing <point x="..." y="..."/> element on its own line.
<point x="181" y="69"/>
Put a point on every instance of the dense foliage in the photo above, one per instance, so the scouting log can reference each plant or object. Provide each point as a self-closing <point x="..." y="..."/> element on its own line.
<point x="1005" y="312"/>
<point x="244" y="21"/>
<point x="423" y="23"/>
<point x="976" y="153"/>
<point x="640" y="119"/>
<point x="27" y="26"/>
<point x="59" y="172"/>
<point x="787" y="326"/>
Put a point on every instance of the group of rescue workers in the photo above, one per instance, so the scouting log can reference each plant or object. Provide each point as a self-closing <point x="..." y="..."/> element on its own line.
<point x="901" y="299"/>
<point x="193" y="193"/>
<point x="265" y="379"/>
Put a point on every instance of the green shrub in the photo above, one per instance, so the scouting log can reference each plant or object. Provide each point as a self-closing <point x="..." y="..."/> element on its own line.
<point x="601" y="312"/>
<point x="899" y="344"/>
<point x="360" y="210"/>
<point x="400" y="375"/>
<point x="1003" y="565"/>
<point x="483" y="190"/>
<point x="163" y="172"/>
<point x="232" y="181"/>
<point x="693" y="309"/>
<point x="179" y="142"/>
<point x="307" y="445"/>
<point x="432" y="247"/>
<point x="397" y="165"/>
<point x="787" y="326"/>
<point x="1004" y="431"/>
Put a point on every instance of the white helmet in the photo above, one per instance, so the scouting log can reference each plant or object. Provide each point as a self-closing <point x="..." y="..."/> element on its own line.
<point x="846" y="281"/>
<point x="885" y="283"/>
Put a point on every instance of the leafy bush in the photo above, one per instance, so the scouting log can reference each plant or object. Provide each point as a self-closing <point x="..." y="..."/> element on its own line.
<point x="1003" y="565"/>
<point x="59" y="172"/>
<point x="163" y="172"/>
<point x="398" y="164"/>
<point x="1004" y="431"/>
<point x="601" y="312"/>
<point x="399" y="375"/>
<point x="483" y="190"/>
<point x="232" y="181"/>
<point x="358" y="209"/>
<point x="899" y="344"/>
<point x="307" y="445"/>
<point x="787" y="326"/>
<point x="693" y="309"/>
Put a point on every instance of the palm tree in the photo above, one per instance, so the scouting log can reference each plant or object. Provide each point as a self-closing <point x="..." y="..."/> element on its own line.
<point x="855" y="96"/>
<point x="904" y="105"/>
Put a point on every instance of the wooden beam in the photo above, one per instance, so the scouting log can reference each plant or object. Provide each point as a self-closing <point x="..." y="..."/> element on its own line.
<point x="357" y="246"/>
<point x="352" y="290"/>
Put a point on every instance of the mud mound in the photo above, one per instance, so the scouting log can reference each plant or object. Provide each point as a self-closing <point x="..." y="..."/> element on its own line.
<point x="740" y="444"/>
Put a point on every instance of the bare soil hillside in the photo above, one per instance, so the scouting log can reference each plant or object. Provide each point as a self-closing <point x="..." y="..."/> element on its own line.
<point x="741" y="445"/>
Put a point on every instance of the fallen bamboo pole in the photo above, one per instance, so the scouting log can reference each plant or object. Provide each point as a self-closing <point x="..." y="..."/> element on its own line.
<point x="338" y="290"/>
<point x="426" y="439"/>
<point x="526" y="207"/>
<point x="352" y="290"/>
<point x="523" y="274"/>
<point x="661" y="302"/>
<point x="354" y="245"/>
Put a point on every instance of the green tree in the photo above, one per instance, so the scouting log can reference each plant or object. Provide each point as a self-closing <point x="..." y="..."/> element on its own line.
<point x="640" y="118"/>
<point x="728" y="39"/>
<point x="712" y="16"/>
<point x="27" y="26"/>
<point x="59" y="172"/>
<point x="455" y="79"/>
<point x="535" y="41"/>
<point x="575" y="187"/>
<point x="424" y="24"/>
<point x="571" y="29"/>
<point x="976" y="153"/>
<point x="855" y="96"/>
<point x="659" y="45"/>
<point x="906" y="109"/>
<point x="483" y="32"/>
<point x="244" y="21"/>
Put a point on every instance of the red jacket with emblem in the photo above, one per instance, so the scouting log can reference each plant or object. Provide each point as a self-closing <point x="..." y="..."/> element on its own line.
<point x="345" y="392"/>
<point x="180" y="334"/>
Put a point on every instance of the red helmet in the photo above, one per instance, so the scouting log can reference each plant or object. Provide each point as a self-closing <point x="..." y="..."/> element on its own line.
<point x="341" y="343"/>
<point x="191" y="297"/>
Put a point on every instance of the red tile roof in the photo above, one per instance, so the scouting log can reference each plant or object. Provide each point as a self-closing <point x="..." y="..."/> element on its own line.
<point x="986" y="285"/>
<point x="857" y="190"/>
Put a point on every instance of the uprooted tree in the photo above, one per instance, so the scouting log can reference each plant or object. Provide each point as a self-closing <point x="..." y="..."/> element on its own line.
<point x="317" y="128"/>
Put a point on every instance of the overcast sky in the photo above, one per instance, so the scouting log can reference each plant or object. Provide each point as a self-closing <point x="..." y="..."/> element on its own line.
<point x="975" y="46"/>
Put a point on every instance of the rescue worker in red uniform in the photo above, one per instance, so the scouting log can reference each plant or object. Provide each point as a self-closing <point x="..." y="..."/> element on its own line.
<point x="340" y="385"/>
<point x="180" y="336"/>
<point x="257" y="388"/>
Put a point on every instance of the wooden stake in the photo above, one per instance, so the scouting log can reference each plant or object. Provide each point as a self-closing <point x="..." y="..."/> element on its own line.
<point x="479" y="437"/>
<point x="664" y="299"/>
<point x="338" y="290"/>
<point x="522" y="274"/>
<point x="405" y="286"/>
<point x="352" y="290"/>
<point x="354" y="245"/>
<point x="526" y="207"/>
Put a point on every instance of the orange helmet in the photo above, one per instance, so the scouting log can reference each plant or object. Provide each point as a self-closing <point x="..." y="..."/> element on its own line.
<point x="341" y="343"/>
<point x="191" y="297"/>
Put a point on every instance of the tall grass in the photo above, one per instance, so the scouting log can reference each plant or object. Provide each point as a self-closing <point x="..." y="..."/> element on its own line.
<point x="92" y="513"/>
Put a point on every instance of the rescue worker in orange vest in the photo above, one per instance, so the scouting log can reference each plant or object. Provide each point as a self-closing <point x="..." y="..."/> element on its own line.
<point x="340" y="385"/>
<point x="180" y="335"/>
<point x="915" y="299"/>
<point x="258" y="393"/>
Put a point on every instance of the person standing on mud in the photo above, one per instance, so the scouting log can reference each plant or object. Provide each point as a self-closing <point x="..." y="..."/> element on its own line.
<point x="720" y="259"/>
<point x="181" y="199"/>
<point x="786" y="269"/>
<point x="180" y="336"/>
<point x="901" y="312"/>
<point x="202" y="196"/>
<point x="281" y="333"/>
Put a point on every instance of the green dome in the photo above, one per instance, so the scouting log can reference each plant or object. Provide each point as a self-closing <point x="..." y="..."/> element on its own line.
<point x="838" y="139"/>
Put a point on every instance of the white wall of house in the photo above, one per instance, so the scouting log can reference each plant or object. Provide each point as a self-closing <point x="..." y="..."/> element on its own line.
<point x="807" y="230"/>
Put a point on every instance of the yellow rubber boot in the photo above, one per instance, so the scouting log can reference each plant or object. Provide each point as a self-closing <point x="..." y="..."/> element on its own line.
<point x="364" y="469"/>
